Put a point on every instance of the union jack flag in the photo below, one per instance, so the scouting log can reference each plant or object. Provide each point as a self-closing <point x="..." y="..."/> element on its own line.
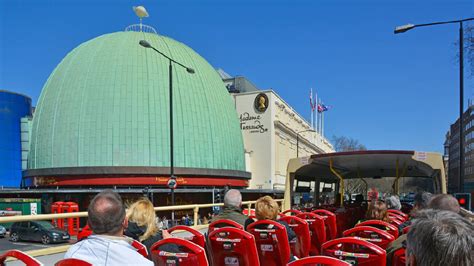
<point x="323" y="108"/>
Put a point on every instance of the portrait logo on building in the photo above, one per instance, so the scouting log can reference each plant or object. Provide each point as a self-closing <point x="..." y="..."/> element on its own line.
<point x="261" y="103"/>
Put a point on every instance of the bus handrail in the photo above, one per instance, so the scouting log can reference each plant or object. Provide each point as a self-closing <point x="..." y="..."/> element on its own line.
<point x="51" y="216"/>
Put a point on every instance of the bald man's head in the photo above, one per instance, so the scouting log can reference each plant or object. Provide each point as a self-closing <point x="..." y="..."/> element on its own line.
<point x="106" y="213"/>
<point x="444" y="202"/>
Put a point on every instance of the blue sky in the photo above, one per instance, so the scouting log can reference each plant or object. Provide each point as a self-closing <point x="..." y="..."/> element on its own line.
<point x="388" y="91"/>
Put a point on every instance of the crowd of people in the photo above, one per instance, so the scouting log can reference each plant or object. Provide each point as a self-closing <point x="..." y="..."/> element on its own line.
<point x="438" y="234"/>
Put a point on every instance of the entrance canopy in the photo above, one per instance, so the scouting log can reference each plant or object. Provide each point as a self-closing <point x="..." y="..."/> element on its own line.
<point x="334" y="167"/>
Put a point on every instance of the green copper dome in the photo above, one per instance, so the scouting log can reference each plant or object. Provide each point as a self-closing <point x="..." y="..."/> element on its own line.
<point x="106" y="104"/>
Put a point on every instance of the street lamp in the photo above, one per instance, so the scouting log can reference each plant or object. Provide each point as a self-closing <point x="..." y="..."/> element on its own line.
<point x="298" y="140"/>
<point x="404" y="28"/>
<point x="172" y="182"/>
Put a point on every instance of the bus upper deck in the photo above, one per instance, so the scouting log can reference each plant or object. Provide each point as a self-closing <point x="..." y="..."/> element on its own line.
<point x="339" y="166"/>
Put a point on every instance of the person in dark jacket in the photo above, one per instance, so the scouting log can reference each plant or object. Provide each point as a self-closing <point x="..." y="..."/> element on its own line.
<point x="232" y="208"/>
<point x="421" y="201"/>
<point x="142" y="226"/>
<point x="441" y="202"/>
<point x="266" y="208"/>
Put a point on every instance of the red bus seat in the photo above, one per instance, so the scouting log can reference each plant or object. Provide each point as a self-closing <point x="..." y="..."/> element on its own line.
<point x="140" y="248"/>
<point x="84" y="232"/>
<point x="196" y="236"/>
<point x="399" y="258"/>
<point x="191" y="254"/>
<point x="404" y="215"/>
<point x="246" y="212"/>
<point x="390" y="228"/>
<point x="343" y="221"/>
<point x="318" y="260"/>
<point x="272" y="242"/>
<point x="23" y="257"/>
<point x="291" y="212"/>
<point x="406" y="230"/>
<point x="374" y="235"/>
<point x="223" y="223"/>
<point x="301" y="245"/>
<point x="72" y="262"/>
<point x="232" y="246"/>
<point x="395" y="221"/>
<point x="355" y="251"/>
<point x="329" y="221"/>
<point x="399" y="217"/>
<point x="317" y="231"/>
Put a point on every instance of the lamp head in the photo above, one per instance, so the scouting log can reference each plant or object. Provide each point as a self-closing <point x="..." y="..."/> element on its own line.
<point x="145" y="44"/>
<point x="401" y="29"/>
<point x="190" y="70"/>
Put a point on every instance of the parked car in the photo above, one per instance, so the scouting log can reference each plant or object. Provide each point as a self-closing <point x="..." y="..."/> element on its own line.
<point x="40" y="231"/>
<point x="3" y="231"/>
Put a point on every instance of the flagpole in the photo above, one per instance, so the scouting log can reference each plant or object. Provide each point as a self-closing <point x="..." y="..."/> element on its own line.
<point x="311" y="106"/>
<point x="319" y="117"/>
<point x="322" y="124"/>
<point x="314" y="112"/>
<point x="317" y="114"/>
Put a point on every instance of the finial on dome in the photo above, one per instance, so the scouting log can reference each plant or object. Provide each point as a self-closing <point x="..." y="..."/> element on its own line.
<point x="141" y="12"/>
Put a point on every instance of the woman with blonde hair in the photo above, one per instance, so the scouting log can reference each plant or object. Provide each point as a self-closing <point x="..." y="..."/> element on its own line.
<point x="266" y="208"/>
<point x="377" y="211"/>
<point x="142" y="225"/>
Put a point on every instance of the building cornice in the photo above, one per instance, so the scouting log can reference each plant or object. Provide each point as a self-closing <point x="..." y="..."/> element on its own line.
<point x="285" y="129"/>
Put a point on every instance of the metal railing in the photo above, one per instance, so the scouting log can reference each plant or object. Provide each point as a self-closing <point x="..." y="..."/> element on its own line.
<point x="194" y="207"/>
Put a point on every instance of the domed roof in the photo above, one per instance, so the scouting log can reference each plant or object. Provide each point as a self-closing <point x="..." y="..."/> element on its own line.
<point x="107" y="104"/>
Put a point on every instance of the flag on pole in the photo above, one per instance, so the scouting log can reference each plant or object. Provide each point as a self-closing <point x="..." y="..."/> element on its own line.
<point x="311" y="103"/>
<point x="323" y="108"/>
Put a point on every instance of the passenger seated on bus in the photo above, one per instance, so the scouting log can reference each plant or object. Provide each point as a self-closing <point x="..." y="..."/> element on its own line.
<point x="421" y="201"/>
<point x="445" y="202"/>
<point x="377" y="210"/>
<point x="359" y="199"/>
<point x="107" y="245"/>
<point x="142" y="226"/>
<point x="440" y="238"/>
<point x="232" y="208"/>
<point x="393" y="202"/>
<point x="267" y="208"/>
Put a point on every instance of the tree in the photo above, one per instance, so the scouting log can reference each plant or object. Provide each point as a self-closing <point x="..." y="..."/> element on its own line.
<point x="469" y="46"/>
<point x="343" y="143"/>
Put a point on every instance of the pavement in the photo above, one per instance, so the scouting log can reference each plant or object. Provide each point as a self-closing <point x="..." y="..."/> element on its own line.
<point x="51" y="259"/>
<point x="6" y="244"/>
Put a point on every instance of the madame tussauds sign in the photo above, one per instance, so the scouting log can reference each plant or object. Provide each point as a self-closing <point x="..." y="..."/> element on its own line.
<point x="252" y="123"/>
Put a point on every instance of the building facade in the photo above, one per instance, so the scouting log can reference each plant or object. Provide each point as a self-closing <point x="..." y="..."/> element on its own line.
<point x="452" y="148"/>
<point x="273" y="133"/>
<point x="13" y="107"/>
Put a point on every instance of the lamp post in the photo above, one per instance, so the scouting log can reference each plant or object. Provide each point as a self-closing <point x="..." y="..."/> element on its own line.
<point x="172" y="182"/>
<point x="407" y="27"/>
<point x="298" y="140"/>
